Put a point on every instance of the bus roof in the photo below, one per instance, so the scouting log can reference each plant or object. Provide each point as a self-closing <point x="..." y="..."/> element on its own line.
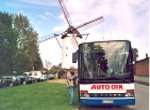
<point x="106" y="41"/>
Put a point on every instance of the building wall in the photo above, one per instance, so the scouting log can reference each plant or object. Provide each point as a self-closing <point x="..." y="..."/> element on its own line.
<point x="142" y="67"/>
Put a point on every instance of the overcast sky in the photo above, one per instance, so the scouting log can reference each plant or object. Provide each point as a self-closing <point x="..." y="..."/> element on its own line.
<point x="123" y="19"/>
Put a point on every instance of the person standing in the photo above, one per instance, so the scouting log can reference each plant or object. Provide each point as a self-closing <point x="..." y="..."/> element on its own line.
<point x="71" y="85"/>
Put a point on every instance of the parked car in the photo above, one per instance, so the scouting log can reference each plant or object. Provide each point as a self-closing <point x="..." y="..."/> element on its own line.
<point x="9" y="81"/>
<point x="44" y="77"/>
<point x="24" y="79"/>
<point x="36" y="75"/>
<point x="51" y="76"/>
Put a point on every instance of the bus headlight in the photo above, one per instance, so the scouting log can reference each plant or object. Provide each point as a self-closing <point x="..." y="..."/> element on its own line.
<point x="129" y="93"/>
<point x="84" y="94"/>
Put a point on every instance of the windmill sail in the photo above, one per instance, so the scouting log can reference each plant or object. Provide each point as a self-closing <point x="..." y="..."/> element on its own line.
<point x="65" y="12"/>
<point x="70" y="36"/>
<point x="94" y="21"/>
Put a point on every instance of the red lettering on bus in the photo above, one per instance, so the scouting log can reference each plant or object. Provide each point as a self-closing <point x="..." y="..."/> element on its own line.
<point x="106" y="87"/>
<point x="120" y="87"/>
<point x="103" y="87"/>
<point x="116" y="87"/>
<point x="93" y="87"/>
<point x="98" y="87"/>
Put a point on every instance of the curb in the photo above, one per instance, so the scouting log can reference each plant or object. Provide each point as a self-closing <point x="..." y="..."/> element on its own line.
<point x="143" y="83"/>
<point x="141" y="80"/>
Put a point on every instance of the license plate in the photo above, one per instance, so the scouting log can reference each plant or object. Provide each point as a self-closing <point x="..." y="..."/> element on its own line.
<point x="107" y="101"/>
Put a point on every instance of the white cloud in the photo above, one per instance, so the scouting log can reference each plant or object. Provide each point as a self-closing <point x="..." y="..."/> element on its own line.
<point x="48" y="14"/>
<point x="59" y="28"/>
<point x="52" y="3"/>
<point x="123" y="19"/>
<point x="42" y="16"/>
<point x="50" y="51"/>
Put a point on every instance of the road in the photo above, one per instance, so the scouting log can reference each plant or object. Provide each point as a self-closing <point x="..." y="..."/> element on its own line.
<point x="142" y="101"/>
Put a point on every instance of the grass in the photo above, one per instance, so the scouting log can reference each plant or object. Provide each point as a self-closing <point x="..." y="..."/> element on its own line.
<point x="38" y="96"/>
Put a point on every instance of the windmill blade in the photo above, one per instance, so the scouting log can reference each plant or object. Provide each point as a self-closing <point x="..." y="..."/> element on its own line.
<point x="86" y="36"/>
<point x="65" y="12"/>
<point x="94" y="21"/>
<point x="48" y="38"/>
<point x="57" y="40"/>
<point x="74" y="41"/>
<point x="45" y="38"/>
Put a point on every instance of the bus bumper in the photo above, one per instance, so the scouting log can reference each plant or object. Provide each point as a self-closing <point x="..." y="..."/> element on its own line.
<point x="107" y="101"/>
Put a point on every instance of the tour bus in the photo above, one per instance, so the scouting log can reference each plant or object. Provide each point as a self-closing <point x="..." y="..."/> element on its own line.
<point x="105" y="72"/>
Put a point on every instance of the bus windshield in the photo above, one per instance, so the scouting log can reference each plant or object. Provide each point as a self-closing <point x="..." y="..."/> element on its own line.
<point x="105" y="59"/>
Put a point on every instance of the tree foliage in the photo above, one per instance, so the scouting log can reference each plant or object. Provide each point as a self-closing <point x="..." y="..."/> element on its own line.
<point x="18" y="44"/>
<point x="27" y="44"/>
<point x="8" y="44"/>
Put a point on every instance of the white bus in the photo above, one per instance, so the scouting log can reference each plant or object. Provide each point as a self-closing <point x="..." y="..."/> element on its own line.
<point x="105" y="71"/>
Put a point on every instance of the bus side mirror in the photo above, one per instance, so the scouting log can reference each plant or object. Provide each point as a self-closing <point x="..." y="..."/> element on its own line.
<point x="135" y="54"/>
<point x="74" y="57"/>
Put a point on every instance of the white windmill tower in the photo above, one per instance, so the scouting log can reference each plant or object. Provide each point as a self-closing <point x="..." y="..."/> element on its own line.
<point x="69" y="46"/>
<point x="70" y="38"/>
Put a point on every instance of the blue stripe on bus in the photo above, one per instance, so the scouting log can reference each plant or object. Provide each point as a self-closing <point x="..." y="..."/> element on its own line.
<point x="115" y="101"/>
<point x="107" y="98"/>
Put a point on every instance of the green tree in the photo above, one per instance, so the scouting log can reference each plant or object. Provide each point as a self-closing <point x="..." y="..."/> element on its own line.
<point x="28" y="54"/>
<point x="8" y="44"/>
<point x="18" y="44"/>
<point x="37" y="64"/>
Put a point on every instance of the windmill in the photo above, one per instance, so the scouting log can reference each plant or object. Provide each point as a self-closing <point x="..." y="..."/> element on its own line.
<point x="70" y="37"/>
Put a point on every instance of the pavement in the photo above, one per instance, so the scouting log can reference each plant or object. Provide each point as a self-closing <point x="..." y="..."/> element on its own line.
<point x="142" y="80"/>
